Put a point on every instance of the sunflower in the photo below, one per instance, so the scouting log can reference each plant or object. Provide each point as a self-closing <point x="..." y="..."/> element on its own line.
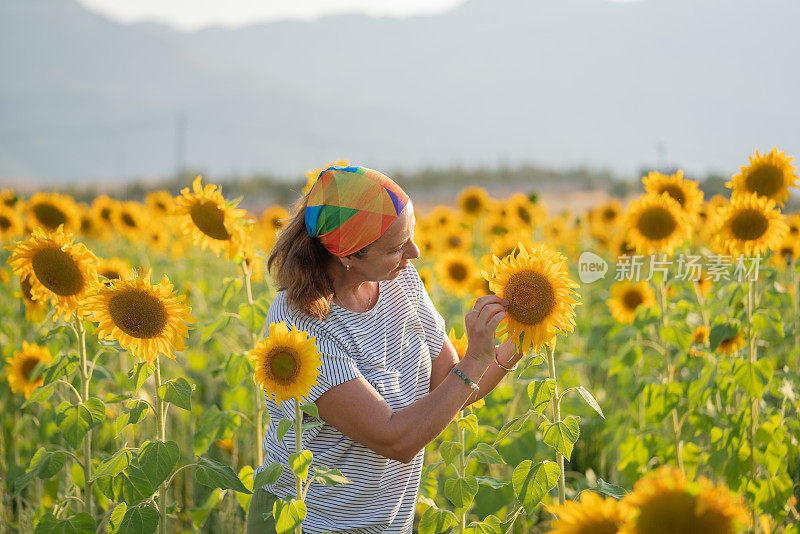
<point x="494" y="225"/>
<point x="627" y="297"/>
<point x="731" y="344"/>
<point x="57" y="269"/>
<point x="213" y="224"/>
<point x="90" y="226"/>
<point x="685" y="192"/>
<point x="656" y="223"/>
<point x="704" y="283"/>
<point x="474" y="201"/>
<point x="156" y="237"/>
<point x="130" y="219"/>
<point x="313" y="175"/>
<point x="441" y="216"/>
<point x="274" y="218"/>
<point x="286" y="363"/>
<point x="787" y="253"/>
<point x="456" y="272"/>
<point x="523" y="212"/>
<point x="10" y="223"/>
<point x="9" y="197"/>
<point x="604" y="219"/>
<point x="21" y="365"/>
<point x="768" y="176"/>
<point x="621" y="245"/>
<point x="700" y="335"/>
<point x="426" y="275"/>
<point x="750" y="225"/>
<point x="540" y="295"/>
<point x="114" y="269"/>
<point x="667" y="503"/>
<point x="35" y="310"/>
<point x="161" y="203"/>
<point x="145" y="319"/>
<point x="460" y="344"/>
<point x="51" y="210"/>
<point x="103" y="208"/>
<point x="592" y="515"/>
<point x="454" y="238"/>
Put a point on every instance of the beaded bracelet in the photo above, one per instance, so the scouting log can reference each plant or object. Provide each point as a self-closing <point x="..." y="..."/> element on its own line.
<point x="469" y="382"/>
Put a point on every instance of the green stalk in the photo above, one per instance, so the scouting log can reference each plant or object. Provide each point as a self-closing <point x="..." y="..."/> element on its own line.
<point x="796" y="302"/>
<point x="162" y="489"/>
<point x="753" y="401"/>
<point x="88" y="500"/>
<point x="551" y="361"/>
<point x="258" y="400"/>
<point x="462" y="464"/>
<point x="675" y="426"/>
<point x="298" y="433"/>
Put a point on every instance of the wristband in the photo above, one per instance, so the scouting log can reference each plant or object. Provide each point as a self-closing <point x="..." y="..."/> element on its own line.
<point x="503" y="366"/>
<point x="469" y="382"/>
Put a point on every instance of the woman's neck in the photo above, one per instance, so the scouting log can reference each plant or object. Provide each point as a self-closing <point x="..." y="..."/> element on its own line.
<point x="352" y="290"/>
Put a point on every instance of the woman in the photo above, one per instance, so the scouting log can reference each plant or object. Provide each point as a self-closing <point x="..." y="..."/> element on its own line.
<point x="390" y="380"/>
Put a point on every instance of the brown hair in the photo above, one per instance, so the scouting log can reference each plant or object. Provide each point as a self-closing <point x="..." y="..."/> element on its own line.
<point x="301" y="265"/>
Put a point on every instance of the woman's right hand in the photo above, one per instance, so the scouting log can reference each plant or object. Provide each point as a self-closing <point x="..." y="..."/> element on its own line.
<point x="481" y="323"/>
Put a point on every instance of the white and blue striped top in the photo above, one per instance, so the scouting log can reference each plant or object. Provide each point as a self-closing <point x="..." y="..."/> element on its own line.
<point x="391" y="346"/>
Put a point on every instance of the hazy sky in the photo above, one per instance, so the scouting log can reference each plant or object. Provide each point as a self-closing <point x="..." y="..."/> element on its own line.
<point x="194" y="14"/>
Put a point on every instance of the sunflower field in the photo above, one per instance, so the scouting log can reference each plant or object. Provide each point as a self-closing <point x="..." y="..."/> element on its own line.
<point x="659" y="392"/>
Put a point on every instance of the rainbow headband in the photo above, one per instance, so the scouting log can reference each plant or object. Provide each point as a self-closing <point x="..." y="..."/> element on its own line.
<point x="350" y="207"/>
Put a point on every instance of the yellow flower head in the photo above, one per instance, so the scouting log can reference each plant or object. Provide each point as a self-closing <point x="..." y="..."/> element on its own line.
<point x="656" y="223"/>
<point x="104" y="209"/>
<point x="113" y="269"/>
<point x="750" y="225"/>
<point x="540" y="294"/>
<point x="454" y="238"/>
<point x="20" y="367"/>
<point x="204" y="214"/>
<point x="474" y="201"/>
<point x="700" y="335"/>
<point x="58" y="270"/>
<point x="592" y="515"/>
<point x="685" y="192"/>
<point x="426" y="275"/>
<point x="50" y="210"/>
<point x="459" y="343"/>
<point x="731" y="344"/>
<point x="667" y="503"/>
<point x="286" y="363"/>
<point x="130" y="219"/>
<point x="160" y="203"/>
<point x="11" y="225"/>
<point x="522" y="212"/>
<point x="456" y="272"/>
<point x="146" y="319"/>
<point x="627" y="297"/>
<point x="768" y="176"/>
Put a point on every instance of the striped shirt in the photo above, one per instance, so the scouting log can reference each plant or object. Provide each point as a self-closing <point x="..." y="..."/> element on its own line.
<point x="391" y="346"/>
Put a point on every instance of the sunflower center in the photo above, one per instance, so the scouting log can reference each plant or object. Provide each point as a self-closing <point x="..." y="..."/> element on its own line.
<point x="111" y="274"/>
<point x="128" y="220"/>
<point x="210" y="220"/>
<point x="765" y="180"/>
<point x="749" y="224"/>
<point x="472" y="204"/>
<point x="457" y="271"/>
<point x="28" y="364"/>
<point x="26" y="289"/>
<point x="667" y="513"/>
<point x="598" y="526"/>
<point x="632" y="299"/>
<point x="524" y="214"/>
<point x="609" y="215"/>
<point x="454" y="241"/>
<point x="284" y="366"/>
<point x="105" y="214"/>
<point x="530" y="296"/>
<point x="657" y="223"/>
<point x="5" y="222"/>
<point x="57" y="271"/>
<point x="675" y="192"/>
<point x="49" y="215"/>
<point x="138" y="313"/>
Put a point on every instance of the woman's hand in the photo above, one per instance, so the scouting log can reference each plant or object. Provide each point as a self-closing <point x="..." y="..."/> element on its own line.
<point x="481" y="323"/>
<point x="507" y="353"/>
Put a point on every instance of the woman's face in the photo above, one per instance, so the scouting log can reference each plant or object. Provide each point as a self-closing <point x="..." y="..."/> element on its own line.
<point x="390" y="253"/>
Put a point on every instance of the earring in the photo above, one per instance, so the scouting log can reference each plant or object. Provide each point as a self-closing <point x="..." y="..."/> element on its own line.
<point x="347" y="267"/>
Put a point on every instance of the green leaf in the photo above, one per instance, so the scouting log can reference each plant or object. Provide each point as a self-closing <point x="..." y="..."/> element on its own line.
<point x="43" y="465"/>
<point x="753" y="378"/>
<point x="492" y="482"/>
<point x="246" y="476"/>
<point x="532" y="481"/>
<point x="62" y="367"/>
<point x="115" y="519"/>
<point x="177" y="392"/>
<point x="288" y="514"/>
<point x="512" y="426"/>
<point x="130" y="486"/>
<point x="460" y="491"/>
<point x="541" y="393"/>
<point x="430" y="468"/>
<point x="719" y="333"/>
<point x="157" y="459"/>
<point x="434" y="521"/>
<point x="142" y="519"/>
<point x="590" y="400"/>
<point x="269" y="475"/>
<point x="300" y="461"/>
<point x="215" y="475"/>
<point x="231" y="286"/>
<point x="470" y="422"/>
<point x="40" y="394"/>
<point x="253" y="316"/>
<point x="237" y="367"/>
<point x="81" y="523"/>
<point x="135" y="410"/>
<point x="283" y="427"/>
<point x="220" y="323"/>
<point x="114" y="465"/>
<point x="312" y="424"/>
<point x="450" y="450"/>
<point x="609" y="490"/>
<point x="490" y="525"/>
<point x="487" y="454"/>
<point x="139" y="373"/>
<point x="311" y="409"/>
<point x="329" y="477"/>
<point x="214" y="423"/>
<point x="75" y="420"/>
<point x="562" y="435"/>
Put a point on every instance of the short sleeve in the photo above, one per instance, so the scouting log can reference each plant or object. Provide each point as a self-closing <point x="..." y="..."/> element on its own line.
<point x="432" y="321"/>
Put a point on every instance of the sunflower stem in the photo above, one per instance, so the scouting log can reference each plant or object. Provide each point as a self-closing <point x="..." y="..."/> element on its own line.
<point x="298" y="433"/>
<point x="160" y="424"/>
<point x="796" y="302"/>
<point x="258" y="411"/>
<point x="551" y="363"/>
<point x="462" y="524"/>
<point x="753" y="401"/>
<point x="88" y="501"/>
<point x="670" y="371"/>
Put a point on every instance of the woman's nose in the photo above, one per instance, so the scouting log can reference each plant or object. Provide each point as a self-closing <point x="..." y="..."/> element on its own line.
<point x="413" y="251"/>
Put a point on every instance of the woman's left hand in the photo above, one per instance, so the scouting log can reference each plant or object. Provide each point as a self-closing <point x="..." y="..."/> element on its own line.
<point x="506" y="353"/>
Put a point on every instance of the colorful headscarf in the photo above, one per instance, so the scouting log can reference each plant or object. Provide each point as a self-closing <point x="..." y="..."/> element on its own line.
<point x="350" y="207"/>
